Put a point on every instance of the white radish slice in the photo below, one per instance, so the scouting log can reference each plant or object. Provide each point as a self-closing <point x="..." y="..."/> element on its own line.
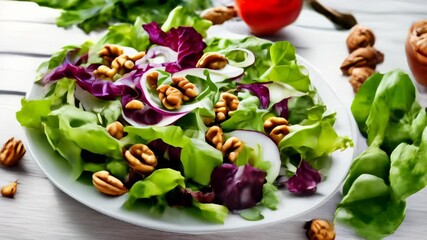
<point x="270" y="152"/>
<point x="228" y="72"/>
<point x="249" y="58"/>
<point x="158" y="55"/>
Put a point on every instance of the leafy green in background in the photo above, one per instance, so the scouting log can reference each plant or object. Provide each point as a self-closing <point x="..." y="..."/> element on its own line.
<point x="92" y="15"/>
<point x="394" y="165"/>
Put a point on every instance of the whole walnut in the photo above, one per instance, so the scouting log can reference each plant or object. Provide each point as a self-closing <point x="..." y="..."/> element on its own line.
<point x="359" y="37"/>
<point x="362" y="57"/>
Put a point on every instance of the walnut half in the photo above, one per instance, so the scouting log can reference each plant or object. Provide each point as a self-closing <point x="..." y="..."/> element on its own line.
<point x="108" y="184"/>
<point x="212" y="60"/>
<point x="12" y="151"/>
<point x="231" y="149"/>
<point x="228" y="102"/>
<point x="140" y="158"/>
<point x="276" y="128"/>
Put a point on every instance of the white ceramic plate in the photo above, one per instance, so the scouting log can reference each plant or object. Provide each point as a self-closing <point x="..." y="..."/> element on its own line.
<point x="175" y="220"/>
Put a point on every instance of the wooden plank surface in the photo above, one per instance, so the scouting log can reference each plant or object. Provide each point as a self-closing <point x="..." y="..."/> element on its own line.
<point x="28" y="36"/>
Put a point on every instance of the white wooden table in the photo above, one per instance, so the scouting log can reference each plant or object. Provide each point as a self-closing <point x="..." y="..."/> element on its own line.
<point x="41" y="211"/>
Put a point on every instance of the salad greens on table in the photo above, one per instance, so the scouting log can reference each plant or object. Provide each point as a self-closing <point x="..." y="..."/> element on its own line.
<point x="91" y="15"/>
<point x="78" y="103"/>
<point x="394" y="165"/>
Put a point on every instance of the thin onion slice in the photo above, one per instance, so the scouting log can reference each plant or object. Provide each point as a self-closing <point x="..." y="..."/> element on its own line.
<point x="270" y="151"/>
<point x="228" y="72"/>
<point x="249" y="58"/>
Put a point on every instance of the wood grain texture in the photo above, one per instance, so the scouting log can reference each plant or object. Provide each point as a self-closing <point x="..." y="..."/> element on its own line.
<point x="41" y="211"/>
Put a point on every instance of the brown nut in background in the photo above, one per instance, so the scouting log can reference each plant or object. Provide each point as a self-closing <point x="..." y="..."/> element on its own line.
<point x="362" y="57"/>
<point x="9" y="190"/>
<point x="219" y="15"/>
<point x="359" y="76"/>
<point x="12" y="151"/>
<point x="319" y="229"/>
<point x="416" y="51"/>
<point x="359" y="37"/>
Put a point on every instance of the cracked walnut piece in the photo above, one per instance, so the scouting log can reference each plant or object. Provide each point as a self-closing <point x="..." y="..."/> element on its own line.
<point x="359" y="76"/>
<point x="214" y="136"/>
<point x="108" y="184"/>
<point x="360" y="37"/>
<point x="115" y="129"/>
<point x="228" y="102"/>
<point x="362" y="57"/>
<point x="219" y="15"/>
<point x="140" y="158"/>
<point x="231" y="149"/>
<point x="319" y="229"/>
<point x="170" y="97"/>
<point x="188" y="89"/>
<point x="276" y="128"/>
<point x="212" y="60"/>
<point x="12" y="151"/>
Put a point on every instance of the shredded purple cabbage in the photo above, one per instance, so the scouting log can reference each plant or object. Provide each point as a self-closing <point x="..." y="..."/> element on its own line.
<point x="305" y="180"/>
<point x="259" y="90"/>
<point x="282" y="108"/>
<point x="186" y="41"/>
<point x="237" y="187"/>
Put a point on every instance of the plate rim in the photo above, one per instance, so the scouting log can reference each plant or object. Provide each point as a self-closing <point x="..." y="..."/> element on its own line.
<point x="124" y="215"/>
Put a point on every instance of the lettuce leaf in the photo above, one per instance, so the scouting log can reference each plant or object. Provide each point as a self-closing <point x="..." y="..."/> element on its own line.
<point x="99" y="14"/>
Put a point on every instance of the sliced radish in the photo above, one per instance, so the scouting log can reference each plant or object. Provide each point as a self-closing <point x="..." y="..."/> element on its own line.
<point x="248" y="61"/>
<point x="270" y="152"/>
<point x="228" y="72"/>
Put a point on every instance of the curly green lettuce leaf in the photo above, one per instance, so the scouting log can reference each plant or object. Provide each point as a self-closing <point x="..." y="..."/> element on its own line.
<point x="372" y="161"/>
<point x="284" y="67"/>
<point x="369" y="209"/>
<point x="181" y="16"/>
<point x="210" y="212"/>
<point x="248" y="115"/>
<point x="69" y="130"/>
<point x="387" y="112"/>
<point x="99" y="14"/>
<point x="314" y="141"/>
<point x="34" y="112"/>
<point x="157" y="183"/>
<point x="408" y="171"/>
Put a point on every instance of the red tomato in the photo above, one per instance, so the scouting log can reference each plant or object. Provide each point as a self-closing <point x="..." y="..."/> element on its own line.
<point x="268" y="16"/>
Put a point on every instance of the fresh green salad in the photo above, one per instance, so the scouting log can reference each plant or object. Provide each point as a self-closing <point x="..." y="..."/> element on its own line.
<point x="174" y="119"/>
<point x="92" y="15"/>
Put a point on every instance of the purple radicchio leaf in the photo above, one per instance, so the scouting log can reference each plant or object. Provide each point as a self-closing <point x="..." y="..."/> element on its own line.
<point x="259" y="90"/>
<point x="146" y="115"/>
<point x="186" y="41"/>
<point x="237" y="187"/>
<point x="305" y="180"/>
<point x="282" y="108"/>
<point x="97" y="87"/>
<point x="183" y="197"/>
